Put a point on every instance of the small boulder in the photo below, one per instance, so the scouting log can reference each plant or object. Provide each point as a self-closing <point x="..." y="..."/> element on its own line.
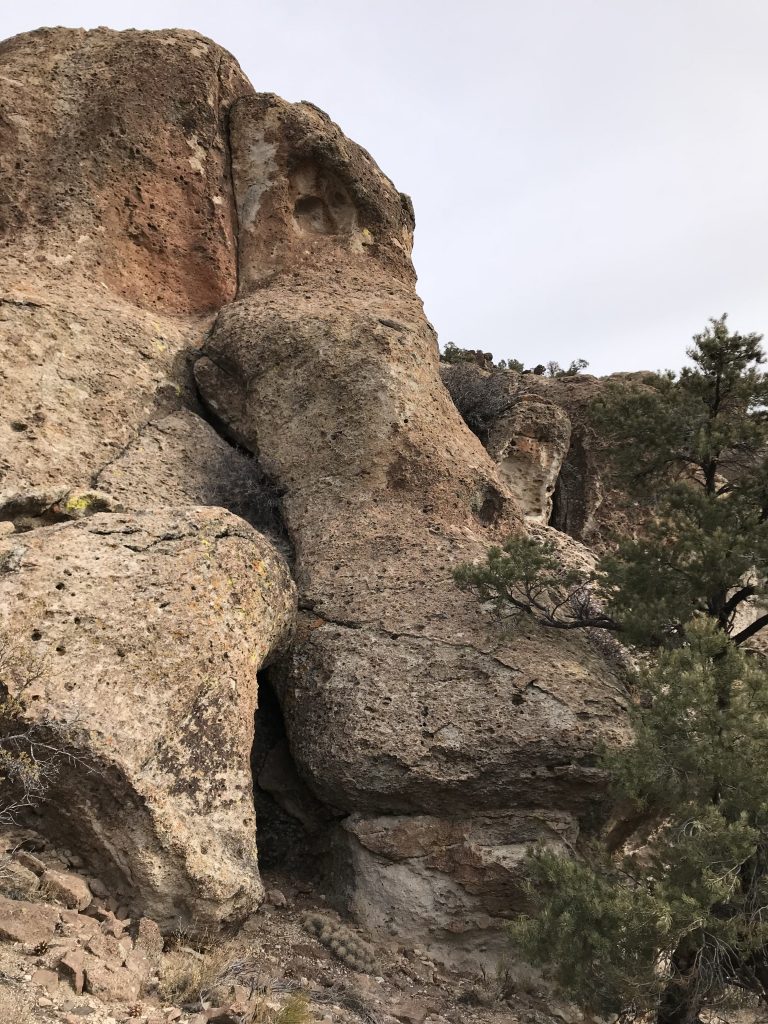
<point x="46" y="979"/>
<point x="109" y="981"/>
<point x="72" y="966"/>
<point x="31" y="862"/>
<point x="30" y="923"/>
<point x="66" y="888"/>
<point x="276" y="898"/>
<point x="149" y="939"/>
<point x="18" y="881"/>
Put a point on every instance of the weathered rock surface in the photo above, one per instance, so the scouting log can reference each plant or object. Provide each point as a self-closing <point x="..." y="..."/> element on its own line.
<point x="146" y="188"/>
<point x="540" y="431"/>
<point x="117" y="229"/>
<point x="398" y="697"/>
<point x="529" y="443"/>
<point x="145" y="633"/>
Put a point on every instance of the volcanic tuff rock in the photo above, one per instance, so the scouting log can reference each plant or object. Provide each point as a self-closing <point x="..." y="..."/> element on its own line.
<point x="147" y="188"/>
<point x="138" y="637"/>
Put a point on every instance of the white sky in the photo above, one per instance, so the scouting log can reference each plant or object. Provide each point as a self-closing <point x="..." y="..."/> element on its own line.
<point x="589" y="176"/>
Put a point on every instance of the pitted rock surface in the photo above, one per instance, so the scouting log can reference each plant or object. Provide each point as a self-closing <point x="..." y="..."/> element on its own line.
<point x="145" y="632"/>
<point x="171" y="238"/>
<point x="399" y="696"/>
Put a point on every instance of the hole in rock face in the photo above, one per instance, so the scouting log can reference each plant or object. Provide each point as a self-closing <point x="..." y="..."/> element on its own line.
<point x="283" y="804"/>
<point x="313" y="215"/>
<point x="488" y="505"/>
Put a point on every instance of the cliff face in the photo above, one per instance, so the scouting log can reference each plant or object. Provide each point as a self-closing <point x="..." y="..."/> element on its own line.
<point x="208" y="300"/>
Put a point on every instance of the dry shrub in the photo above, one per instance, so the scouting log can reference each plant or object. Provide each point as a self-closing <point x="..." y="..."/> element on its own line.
<point x="295" y="1011"/>
<point x="190" y="977"/>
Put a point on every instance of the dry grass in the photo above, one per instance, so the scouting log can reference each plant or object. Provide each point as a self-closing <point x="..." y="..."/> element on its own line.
<point x="189" y="977"/>
<point x="295" y="1011"/>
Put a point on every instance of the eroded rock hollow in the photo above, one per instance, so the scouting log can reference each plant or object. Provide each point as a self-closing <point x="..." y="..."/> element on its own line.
<point x="208" y="294"/>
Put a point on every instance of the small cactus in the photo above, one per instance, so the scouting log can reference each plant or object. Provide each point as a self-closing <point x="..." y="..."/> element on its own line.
<point x="342" y="942"/>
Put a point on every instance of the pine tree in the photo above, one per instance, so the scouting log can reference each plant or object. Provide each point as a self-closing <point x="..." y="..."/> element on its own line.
<point x="666" y="910"/>
<point x="679" y="922"/>
<point x="693" y="449"/>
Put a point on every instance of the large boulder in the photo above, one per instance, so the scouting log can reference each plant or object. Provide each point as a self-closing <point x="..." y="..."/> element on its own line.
<point x="116" y="238"/>
<point x="137" y="639"/>
<point x="399" y="695"/>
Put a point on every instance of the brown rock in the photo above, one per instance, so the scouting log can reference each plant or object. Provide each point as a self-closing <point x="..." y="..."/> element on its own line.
<point x="31" y="862"/>
<point x="107" y="948"/>
<point x="72" y="966"/>
<point x="111" y="981"/>
<point x="149" y="939"/>
<point x="18" y="881"/>
<point x="66" y="888"/>
<point x="134" y="243"/>
<point x="400" y="700"/>
<point x="529" y="444"/>
<point x="47" y="979"/>
<point x="276" y="898"/>
<point x="410" y="1011"/>
<point x="30" y="923"/>
<point x="399" y="697"/>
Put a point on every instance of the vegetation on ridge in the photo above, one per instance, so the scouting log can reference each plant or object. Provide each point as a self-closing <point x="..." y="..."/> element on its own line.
<point x="692" y="450"/>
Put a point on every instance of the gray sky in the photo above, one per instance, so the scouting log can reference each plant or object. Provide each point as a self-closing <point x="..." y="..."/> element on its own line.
<point x="589" y="176"/>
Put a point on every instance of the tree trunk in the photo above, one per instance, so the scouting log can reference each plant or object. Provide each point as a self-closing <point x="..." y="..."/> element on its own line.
<point x="680" y="1002"/>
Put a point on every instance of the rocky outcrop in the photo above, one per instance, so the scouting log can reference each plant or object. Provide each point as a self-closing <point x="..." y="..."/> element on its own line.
<point x="143" y="634"/>
<point x="541" y="432"/>
<point x="117" y="229"/>
<point x="162" y="220"/>
<point x="398" y="696"/>
<point x="526" y="434"/>
<point x="118" y="225"/>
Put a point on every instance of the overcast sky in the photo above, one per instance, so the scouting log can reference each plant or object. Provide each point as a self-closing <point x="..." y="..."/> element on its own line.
<point x="589" y="176"/>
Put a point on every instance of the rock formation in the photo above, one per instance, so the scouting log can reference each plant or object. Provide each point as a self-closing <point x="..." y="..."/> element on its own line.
<point x="207" y="292"/>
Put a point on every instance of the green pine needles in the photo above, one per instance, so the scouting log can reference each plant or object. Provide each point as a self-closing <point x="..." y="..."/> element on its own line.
<point x="678" y="921"/>
<point x="666" y="911"/>
<point x="692" y="453"/>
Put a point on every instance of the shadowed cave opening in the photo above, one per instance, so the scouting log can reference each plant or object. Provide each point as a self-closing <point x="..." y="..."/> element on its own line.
<point x="575" y="496"/>
<point x="286" y="818"/>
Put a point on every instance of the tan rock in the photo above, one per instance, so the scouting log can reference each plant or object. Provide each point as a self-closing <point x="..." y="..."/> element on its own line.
<point x="110" y="981"/>
<point x="31" y="862"/>
<point x="410" y="1010"/>
<point x="399" y="697"/>
<point x="529" y="444"/>
<point x="46" y="979"/>
<point x="119" y="226"/>
<point x="149" y="939"/>
<point x="78" y="925"/>
<point x="67" y="888"/>
<point x="72" y="966"/>
<point x="18" y="881"/>
<point x="150" y="628"/>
